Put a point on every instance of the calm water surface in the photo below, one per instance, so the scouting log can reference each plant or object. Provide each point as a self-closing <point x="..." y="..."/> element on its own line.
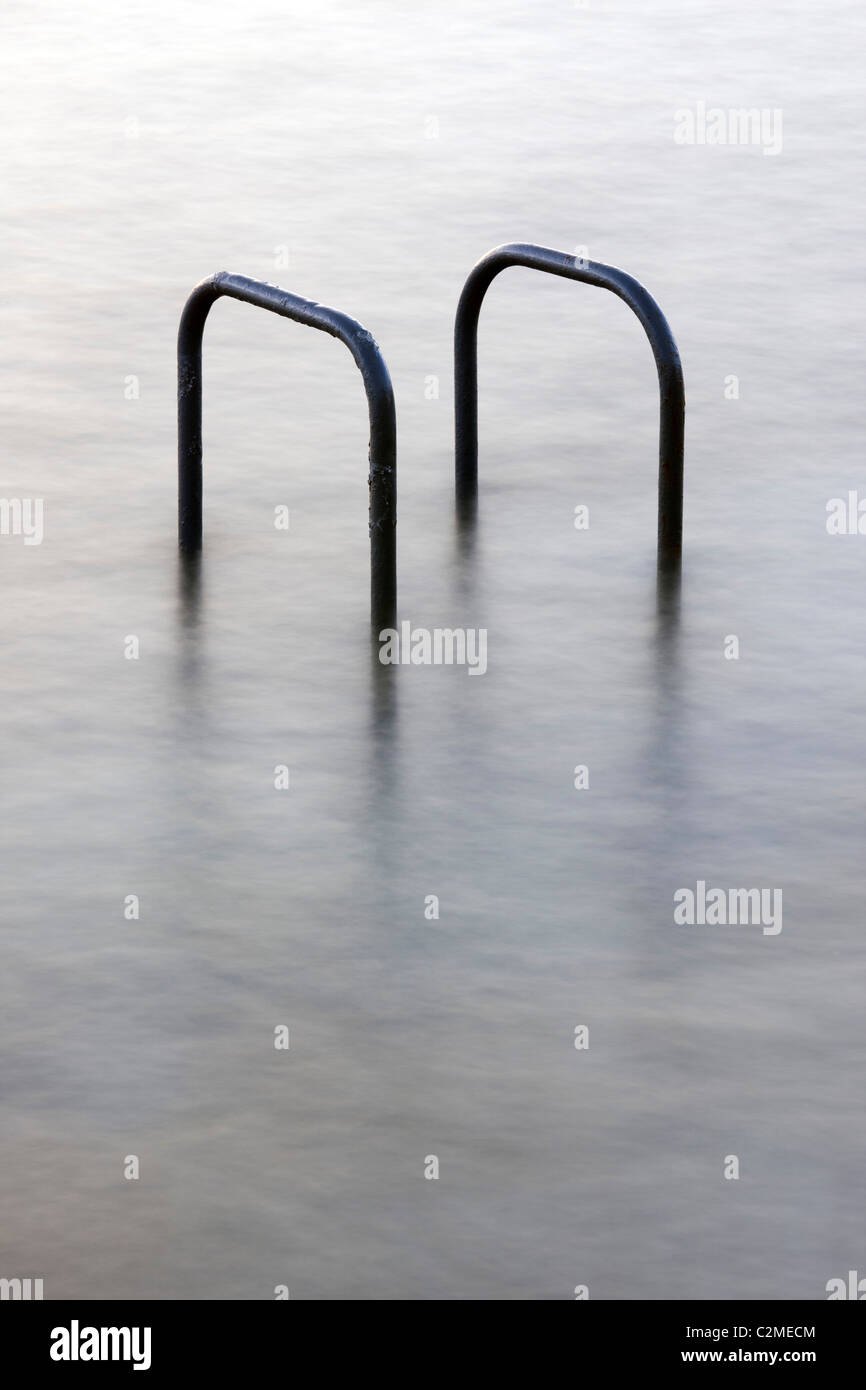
<point x="379" y="151"/>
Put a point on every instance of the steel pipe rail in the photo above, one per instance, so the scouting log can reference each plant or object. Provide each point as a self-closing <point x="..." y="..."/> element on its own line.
<point x="380" y="401"/>
<point x="667" y="358"/>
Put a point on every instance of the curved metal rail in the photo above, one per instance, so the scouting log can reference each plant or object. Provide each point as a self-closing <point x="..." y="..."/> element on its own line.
<point x="670" y="374"/>
<point x="380" y="400"/>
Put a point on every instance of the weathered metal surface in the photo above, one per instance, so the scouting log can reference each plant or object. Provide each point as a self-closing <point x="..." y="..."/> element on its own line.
<point x="671" y="389"/>
<point x="380" y="400"/>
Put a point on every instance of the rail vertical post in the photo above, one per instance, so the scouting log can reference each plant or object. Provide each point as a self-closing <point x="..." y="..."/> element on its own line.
<point x="380" y="401"/>
<point x="670" y="375"/>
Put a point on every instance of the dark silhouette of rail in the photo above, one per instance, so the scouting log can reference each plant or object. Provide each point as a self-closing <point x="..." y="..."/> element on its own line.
<point x="380" y="400"/>
<point x="671" y="390"/>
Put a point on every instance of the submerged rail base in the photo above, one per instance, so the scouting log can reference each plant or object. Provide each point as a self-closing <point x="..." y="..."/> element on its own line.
<point x="380" y="401"/>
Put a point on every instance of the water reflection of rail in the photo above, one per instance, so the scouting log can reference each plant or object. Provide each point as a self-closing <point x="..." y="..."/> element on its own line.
<point x="670" y="374"/>
<point x="380" y="401"/>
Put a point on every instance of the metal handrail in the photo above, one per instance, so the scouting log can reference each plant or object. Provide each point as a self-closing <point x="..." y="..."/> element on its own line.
<point x="380" y="400"/>
<point x="670" y="374"/>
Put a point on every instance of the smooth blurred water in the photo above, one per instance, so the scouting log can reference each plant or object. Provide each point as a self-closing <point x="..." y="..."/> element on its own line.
<point x="146" y="148"/>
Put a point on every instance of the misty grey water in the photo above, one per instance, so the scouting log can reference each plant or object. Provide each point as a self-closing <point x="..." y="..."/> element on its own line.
<point x="366" y="156"/>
